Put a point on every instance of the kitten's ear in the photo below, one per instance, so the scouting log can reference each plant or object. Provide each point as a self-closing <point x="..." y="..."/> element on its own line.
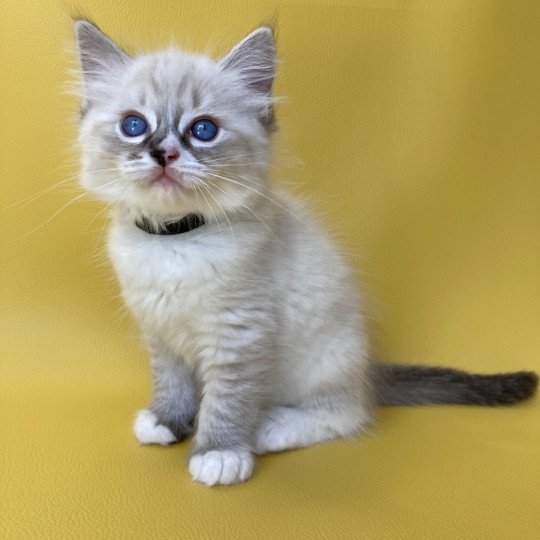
<point x="254" y="58"/>
<point x="98" y="55"/>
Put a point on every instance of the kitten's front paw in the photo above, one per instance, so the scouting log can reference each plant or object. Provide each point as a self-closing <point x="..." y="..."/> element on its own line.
<point x="221" y="467"/>
<point x="148" y="430"/>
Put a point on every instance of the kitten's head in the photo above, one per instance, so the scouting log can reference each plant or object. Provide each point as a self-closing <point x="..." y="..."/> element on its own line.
<point x="171" y="133"/>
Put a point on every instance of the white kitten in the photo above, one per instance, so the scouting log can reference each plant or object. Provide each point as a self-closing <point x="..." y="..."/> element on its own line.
<point x="250" y="313"/>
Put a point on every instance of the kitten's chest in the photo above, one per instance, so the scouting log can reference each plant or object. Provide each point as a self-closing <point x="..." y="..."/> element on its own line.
<point x="170" y="283"/>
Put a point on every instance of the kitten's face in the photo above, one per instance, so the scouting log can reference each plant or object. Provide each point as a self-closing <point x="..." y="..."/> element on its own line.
<point x="170" y="133"/>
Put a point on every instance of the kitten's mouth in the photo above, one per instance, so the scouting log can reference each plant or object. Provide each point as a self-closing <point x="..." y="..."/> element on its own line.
<point x="168" y="178"/>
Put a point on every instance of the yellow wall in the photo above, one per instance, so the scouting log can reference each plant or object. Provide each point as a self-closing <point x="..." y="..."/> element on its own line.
<point x="416" y="132"/>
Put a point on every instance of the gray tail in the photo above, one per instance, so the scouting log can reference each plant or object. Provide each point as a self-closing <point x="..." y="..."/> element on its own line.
<point x="421" y="385"/>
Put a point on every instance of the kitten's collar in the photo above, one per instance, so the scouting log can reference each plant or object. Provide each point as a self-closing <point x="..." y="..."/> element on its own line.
<point x="186" y="224"/>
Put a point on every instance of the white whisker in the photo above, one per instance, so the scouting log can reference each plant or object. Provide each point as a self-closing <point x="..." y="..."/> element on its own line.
<point x="223" y="210"/>
<point x="244" y="205"/>
<point x="58" y="212"/>
<point x="270" y="199"/>
<point x="25" y="202"/>
<point x="210" y="208"/>
<point x="64" y="207"/>
<point x="232" y="157"/>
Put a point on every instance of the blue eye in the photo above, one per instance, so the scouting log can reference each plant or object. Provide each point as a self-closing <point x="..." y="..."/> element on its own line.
<point x="204" y="130"/>
<point x="133" y="125"/>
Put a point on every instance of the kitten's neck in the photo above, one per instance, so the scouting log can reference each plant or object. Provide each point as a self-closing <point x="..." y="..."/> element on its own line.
<point x="180" y="226"/>
<point x="260" y="211"/>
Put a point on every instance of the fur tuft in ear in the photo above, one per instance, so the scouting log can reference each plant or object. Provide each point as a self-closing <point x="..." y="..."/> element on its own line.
<point x="254" y="58"/>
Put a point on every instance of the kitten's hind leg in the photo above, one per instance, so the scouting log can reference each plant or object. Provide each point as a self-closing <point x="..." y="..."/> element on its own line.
<point x="284" y="428"/>
<point x="169" y="418"/>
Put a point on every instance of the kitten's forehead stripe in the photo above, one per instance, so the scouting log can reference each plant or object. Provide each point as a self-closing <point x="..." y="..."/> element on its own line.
<point x="181" y="86"/>
<point x="154" y="84"/>
<point x="195" y="97"/>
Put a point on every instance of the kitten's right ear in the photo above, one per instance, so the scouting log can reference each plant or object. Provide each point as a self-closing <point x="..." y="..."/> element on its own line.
<point x="254" y="59"/>
<point x="98" y="55"/>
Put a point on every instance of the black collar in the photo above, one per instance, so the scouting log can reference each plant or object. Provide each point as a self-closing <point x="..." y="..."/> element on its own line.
<point x="186" y="224"/>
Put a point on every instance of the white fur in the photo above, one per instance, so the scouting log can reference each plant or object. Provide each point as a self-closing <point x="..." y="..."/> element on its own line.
<point x="148" y="431"/>
<point x="177" y="288"/>
<point x="221" y="467"/>
<point x="286" y="427"/>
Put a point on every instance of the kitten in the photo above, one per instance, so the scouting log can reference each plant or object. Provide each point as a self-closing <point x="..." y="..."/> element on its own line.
<point x="250" y="313"/>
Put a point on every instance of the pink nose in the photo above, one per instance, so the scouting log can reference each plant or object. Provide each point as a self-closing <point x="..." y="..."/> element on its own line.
<point x="166" y="155"/>
<point x="171" y="156"/>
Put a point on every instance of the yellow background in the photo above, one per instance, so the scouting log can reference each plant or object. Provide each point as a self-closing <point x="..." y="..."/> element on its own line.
<point x="414" y="129"/>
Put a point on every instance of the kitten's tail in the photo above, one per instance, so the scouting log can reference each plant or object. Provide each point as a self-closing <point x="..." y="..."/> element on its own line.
<point x="421" y="385"/>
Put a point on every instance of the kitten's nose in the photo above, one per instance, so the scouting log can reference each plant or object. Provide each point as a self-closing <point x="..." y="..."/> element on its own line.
<point x="166" y="156"/>
<point x="171" y="155"/>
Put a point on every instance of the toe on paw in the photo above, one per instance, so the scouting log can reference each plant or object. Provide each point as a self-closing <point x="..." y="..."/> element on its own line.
<point x="221" y="467"/>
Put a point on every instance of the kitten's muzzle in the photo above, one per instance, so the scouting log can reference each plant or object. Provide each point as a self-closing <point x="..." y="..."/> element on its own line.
<point x="168" y="176"/>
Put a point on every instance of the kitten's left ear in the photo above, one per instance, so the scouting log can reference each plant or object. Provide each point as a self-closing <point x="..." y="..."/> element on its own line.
<point x="99" y="59"/>
<point x="98" y="54"/>
<point x="254" y="58"/>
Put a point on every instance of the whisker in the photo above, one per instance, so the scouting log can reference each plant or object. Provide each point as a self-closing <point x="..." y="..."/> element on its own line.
<point x="100" y="213"/>
<point x="58" y="212"/>
<point x="90" y="190"/>
<point x="237" y="163"/>
<point x="64" y="207"/>
<point x="270" y="199"/>
<point x="230" y="157"/>
<point x="210" y="208"/>
<point x="196" y="193"/>
<point x="244" y="205"/>
<point x="25" y="202"/>
<point x="222" y="209"/>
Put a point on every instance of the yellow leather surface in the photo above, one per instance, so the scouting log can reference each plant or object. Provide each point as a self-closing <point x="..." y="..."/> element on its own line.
<point x="414" y="128"/>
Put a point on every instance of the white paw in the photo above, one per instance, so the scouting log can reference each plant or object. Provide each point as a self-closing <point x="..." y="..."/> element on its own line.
<point x="221" y="467"/>
<point x="148" y="431"/>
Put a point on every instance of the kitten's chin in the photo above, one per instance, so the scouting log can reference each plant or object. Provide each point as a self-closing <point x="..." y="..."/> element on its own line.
<point x="162" y="198"/>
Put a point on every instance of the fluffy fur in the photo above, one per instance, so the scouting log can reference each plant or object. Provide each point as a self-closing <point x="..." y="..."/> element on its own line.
<point x="253" y="320"/>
